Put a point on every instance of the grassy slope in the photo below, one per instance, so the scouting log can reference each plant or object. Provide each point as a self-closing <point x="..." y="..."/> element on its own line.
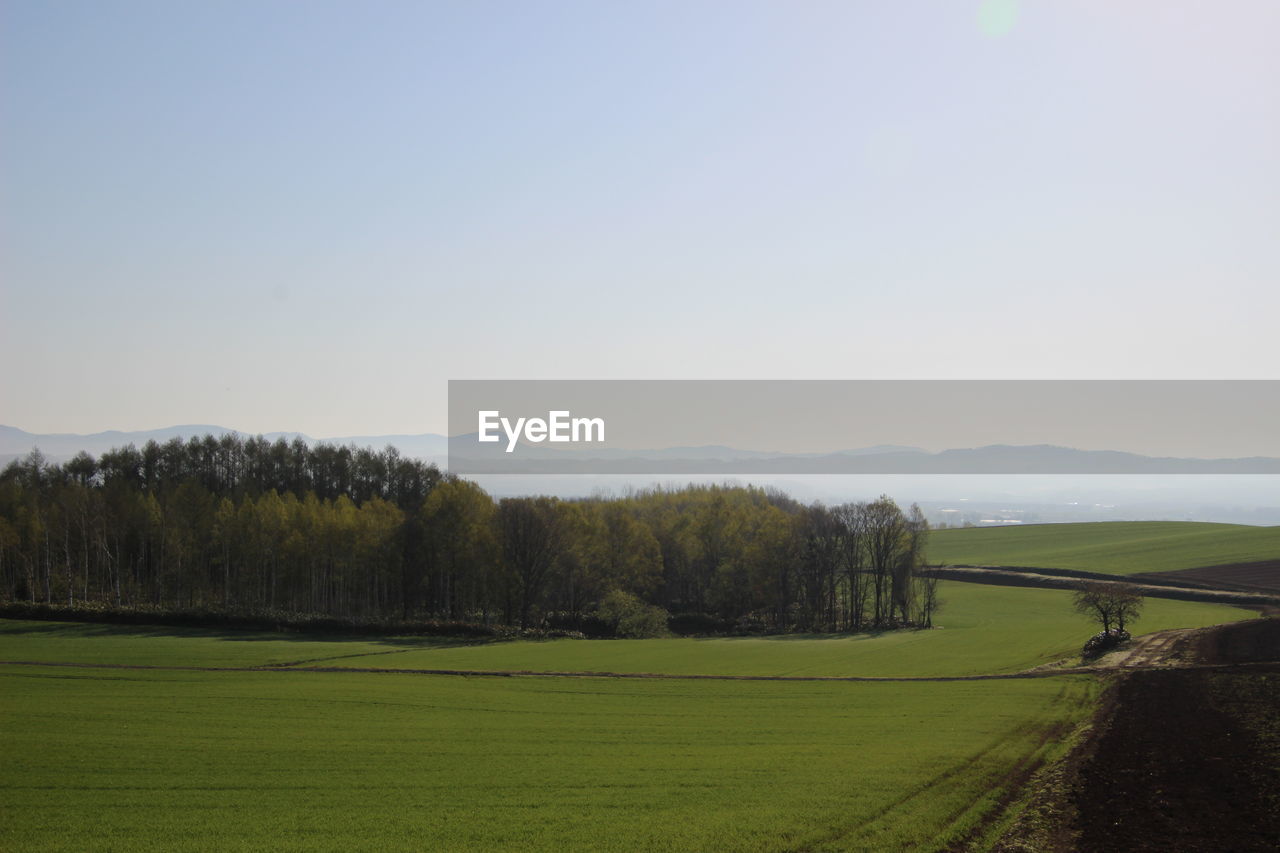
<point x="982" y="629"/>
<point x="147" y="760"/>
<point x="140" y="759"/>
<point x="1119" y="547"/>
<point x="126" y="644"/>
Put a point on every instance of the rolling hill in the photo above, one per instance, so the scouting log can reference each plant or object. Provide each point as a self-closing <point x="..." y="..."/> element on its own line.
<point x="1113" y="547"/>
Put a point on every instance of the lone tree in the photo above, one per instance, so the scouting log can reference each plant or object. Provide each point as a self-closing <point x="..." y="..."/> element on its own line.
<point x="1109" y="603"/>
<point x="1128" y="604"/>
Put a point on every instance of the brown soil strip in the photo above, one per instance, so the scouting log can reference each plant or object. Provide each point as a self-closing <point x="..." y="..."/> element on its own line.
<point x="1020" y="577"/>
<point x="1255" y="641"/>
<point x="1259" y="576"/>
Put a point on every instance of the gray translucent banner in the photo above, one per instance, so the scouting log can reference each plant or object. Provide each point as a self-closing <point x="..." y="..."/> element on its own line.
<point x="731" y="427"/>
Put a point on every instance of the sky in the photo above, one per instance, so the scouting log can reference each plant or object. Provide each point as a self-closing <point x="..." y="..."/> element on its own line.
<point x="310" y="216"/>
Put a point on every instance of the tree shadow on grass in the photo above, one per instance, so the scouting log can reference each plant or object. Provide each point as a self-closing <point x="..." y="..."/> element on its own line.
<point x="91" y="630"/>
<point x="785" y="638"/>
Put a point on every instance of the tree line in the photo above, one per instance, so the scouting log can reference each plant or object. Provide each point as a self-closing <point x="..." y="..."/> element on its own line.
<point x="245" y="525"/>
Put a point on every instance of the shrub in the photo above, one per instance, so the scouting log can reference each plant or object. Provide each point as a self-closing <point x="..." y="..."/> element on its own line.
<point x="1104" y="641"/>
<point x="631" y="617"/>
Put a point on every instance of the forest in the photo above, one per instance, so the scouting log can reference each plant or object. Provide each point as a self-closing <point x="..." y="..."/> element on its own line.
<point x="244" y="525"/>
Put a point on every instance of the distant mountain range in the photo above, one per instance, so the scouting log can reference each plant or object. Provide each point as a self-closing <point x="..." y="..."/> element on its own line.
<point x="710" y="459"/>
<point x="60" y="446"/>
<point x="992" y="459"/>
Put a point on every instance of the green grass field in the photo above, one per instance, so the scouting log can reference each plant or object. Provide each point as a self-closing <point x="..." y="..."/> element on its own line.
<point x="94" y="643"/>
<point x="982" y="629"/>
<point x="1114" y="547"/>
<point x="147" y="760"/>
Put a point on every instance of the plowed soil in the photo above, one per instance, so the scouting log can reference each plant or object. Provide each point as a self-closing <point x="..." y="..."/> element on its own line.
<point x="1261" y="576"/>
<point x="1188" y="759"/>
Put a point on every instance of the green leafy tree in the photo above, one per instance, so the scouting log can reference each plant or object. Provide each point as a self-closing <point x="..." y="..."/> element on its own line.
<point x="630" y="616"/>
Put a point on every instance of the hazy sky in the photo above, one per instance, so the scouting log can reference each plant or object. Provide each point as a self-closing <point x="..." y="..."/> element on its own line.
<point x="309" y="216"/>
